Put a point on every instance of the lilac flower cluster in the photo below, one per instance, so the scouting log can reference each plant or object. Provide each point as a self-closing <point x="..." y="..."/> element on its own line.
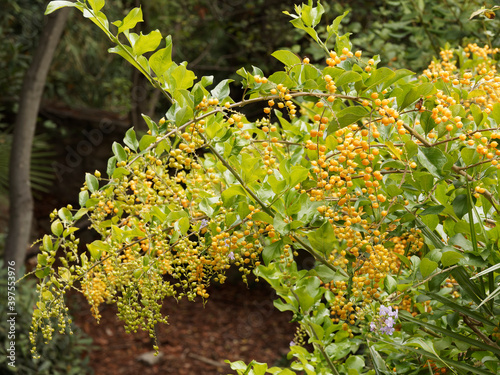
<point x="385" y="321"/>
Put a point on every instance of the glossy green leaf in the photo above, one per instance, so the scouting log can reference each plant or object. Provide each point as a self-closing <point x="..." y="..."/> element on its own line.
<point x="347" y="116"/>
<point x="131" y="19"/>
<point x="119" y="152"/>
<point x="460" y="205"/>
<point x="57" y="227"/>
<point x="221" y="91"/>
<point x="451" y="257"/>
<point x="427" y="267"/>
<point x="390" y="284"/>
<point x="55" y="5"/>
<point x="323" y="239"/>
<point x="96" y="249"/>
<point x="379" y="76"/>
<point x="232" y="191"/>
<point x="286" y="57"/>
<point x="147" y="43"/>
<point x="347" y="77"/>
<point x="161" y="60"/>
<point x="432" y="159"/>
<point x="146" y="141"/>
<point x="83" y="196"/>
<point x="272" y="251"/>
<point x="183" y="77"/>
<point x="47" y="244"/>
<point x="96" y="4"/>
<point x="414" y="94"/>
<point x="92" y="182"/>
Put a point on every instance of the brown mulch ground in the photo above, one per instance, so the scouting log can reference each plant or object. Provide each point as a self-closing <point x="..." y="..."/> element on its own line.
<point x="237" y="323"/>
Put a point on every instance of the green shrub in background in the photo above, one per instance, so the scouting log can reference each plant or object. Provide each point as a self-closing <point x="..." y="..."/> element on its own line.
<point x="65" y="355"/>
<point x="409" y="33"/>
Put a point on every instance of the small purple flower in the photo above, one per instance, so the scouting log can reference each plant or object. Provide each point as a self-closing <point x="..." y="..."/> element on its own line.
<point x="387" y="330"/>
<point x="292" y="343"/>
<point x="203" y="223"/>
<point x="385" y="310"/>
<point x="231" y="255"/>
<point x="385" y="321"/>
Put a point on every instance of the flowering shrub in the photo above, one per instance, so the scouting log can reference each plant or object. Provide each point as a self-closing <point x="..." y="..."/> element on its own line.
<point x="387" y="179"/>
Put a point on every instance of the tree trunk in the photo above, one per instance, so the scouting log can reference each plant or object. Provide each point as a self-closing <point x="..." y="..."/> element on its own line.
<point x="21" y="199"/>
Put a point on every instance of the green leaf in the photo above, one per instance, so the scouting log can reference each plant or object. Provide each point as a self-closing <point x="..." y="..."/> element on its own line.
<point x="96" y="249"/>
<point x="347" y="77"/>
<point x="131" y="19"/>
<point x="478" y="114"/>
<point x="355" y="362"/>
<point x="125" y="52"/>
<point x="120" y="153"/>
<point x="390" y="284"/>
<point x="308" y="292"/>
<point x="79" y="214"/>
<point x="432" y="210"/>
<point x="450" y="257"/>
<point x="461" y="205"/>
<point x="379" y="76"/>
<point x="297" y="174"/>
<point x="42" y="258"/>
<point x="55" y="5"/>
<point x="427" y="267"/>
<point x="432" y="159"/>
<point x="161" y="60"/>
<point x="183" y="77"/>
<point x="47" y="244"/>
<point x="120" y="172"/>
<point x="411" y="148"/>
<point x="147" y="43"/>
<point x="56" y="227"/>
<point x="131" y="140"/>
<point x="312" y="15"/>
<point x="416" y="93"/>
<point x="183" y="225"/>
<point x="96" y="4"/>
<point x="495" y="113"/>
<point x="334" y="27"/>
<point x="262" y="216"/>
<point x="99" y="19"/>
<point x="83" y="196"/>
<point x="111" y="165"/>
<point x="92" y="182"/>
<point x="286" y="57"/>
<point x="232" y="191"/>
<point x="323" y="239"/>
<point x="424" y="353"/>
<point x="272" y="251"/>
<point x="347" y="116"/>
<point x="398" y="74"/>
<point x="221" y="91"/>
<point x="146" y="141"/>
<point x="65" y="215"/>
